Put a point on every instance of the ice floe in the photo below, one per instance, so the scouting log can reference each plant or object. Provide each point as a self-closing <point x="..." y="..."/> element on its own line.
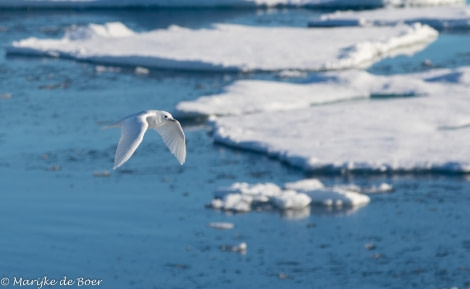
<point x="215" y="3"/>
<point x="296" y="196"/>
<point x="448" y="17"/>
<point x="426" y="133"/>
<point x="254" y="96"/>
<point x="409" y="135"/>
<point x="231" y="47"/>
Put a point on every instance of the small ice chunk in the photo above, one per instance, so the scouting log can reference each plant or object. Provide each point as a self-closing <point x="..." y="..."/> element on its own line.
<point x="102" y="68"/>
<point x="291" y="200"/>
<point x="221" y="225"/>
<point x="427" y="63"/>
<point x="259" y="190"/>
<point x="370" y="246"/>
<point x="107" y="30"/>
<point x="304" y="185"/>
<point x="141" y="70"/>
<point x="241" y="248"/>
<point x="382" y="188"/>
<point x="217" y="204"/>
<point x="237" y="202"/>
<point x="337" y="197"/>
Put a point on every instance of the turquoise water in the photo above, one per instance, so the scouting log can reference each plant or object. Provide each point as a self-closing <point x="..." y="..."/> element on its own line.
<point x="146" y="226"/>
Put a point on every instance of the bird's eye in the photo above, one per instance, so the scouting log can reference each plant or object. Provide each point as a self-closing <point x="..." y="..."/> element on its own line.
<point x="166" y="116"/>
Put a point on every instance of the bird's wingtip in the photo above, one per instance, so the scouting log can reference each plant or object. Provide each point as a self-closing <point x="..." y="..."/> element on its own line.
<point x="111" y="125"/>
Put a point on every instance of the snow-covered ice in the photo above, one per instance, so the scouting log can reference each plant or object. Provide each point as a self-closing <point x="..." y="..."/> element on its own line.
<point x="243" y="197"/>
<point x="424" y="133"/>
<point x="391" y="135"/>
<point x="328" y="196"/>
<point x="304" y="185"/>
<point x="231" y="47"/>
<point x="337" y="198"/>
<point x="254" y="96"/>
<point x="290" y="199"/>
<point x="216" y="3"/>
<point x="448" y="17"/>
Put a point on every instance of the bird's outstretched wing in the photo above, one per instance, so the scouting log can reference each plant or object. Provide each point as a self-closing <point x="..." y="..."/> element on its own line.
<point x="173" y="136"/>
<point x="132" y="133"/>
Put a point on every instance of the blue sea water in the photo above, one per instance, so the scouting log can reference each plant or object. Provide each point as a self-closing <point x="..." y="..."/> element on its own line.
<point x="146" y="226"/>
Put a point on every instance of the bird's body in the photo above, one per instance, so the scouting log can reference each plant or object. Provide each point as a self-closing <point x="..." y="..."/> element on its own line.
<point x="134" y="126"/>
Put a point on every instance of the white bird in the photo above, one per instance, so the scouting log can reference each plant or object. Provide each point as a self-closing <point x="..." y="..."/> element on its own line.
<point x="134" y="126"/>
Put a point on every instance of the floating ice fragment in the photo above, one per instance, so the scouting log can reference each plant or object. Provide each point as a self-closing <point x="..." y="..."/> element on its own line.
<point x="291" y="200"/>
<point x="304" y="185"/>
<point x="255" y="190"/>
<point x="382" y="188"/>
<point x="240" y="248"/>
<point x="370" y="246"/>
<point x="102" y="68"/>
<point x="221" y="225"/>
<point x="243" y="197"/>
<point x="337" y="197"/>
<point x="141" y="70"/>
<point x="107" y="30"/>
<point x="237" y="202"/>
<point x="448" y="17"/>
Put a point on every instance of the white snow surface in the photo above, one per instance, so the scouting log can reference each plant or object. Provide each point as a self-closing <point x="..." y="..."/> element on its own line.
<point x="243" y="197"/>
<point x="448" y="17"/>
<point x="337" y="198"/>
<point x="215" y="3"/>
<point x="254" y="96"/>
<point x="231" y="47"/>
<point x="414" y="134"/>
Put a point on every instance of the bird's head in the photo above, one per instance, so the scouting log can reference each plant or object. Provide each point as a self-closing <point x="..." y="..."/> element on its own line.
<point x="166" y="116"/>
